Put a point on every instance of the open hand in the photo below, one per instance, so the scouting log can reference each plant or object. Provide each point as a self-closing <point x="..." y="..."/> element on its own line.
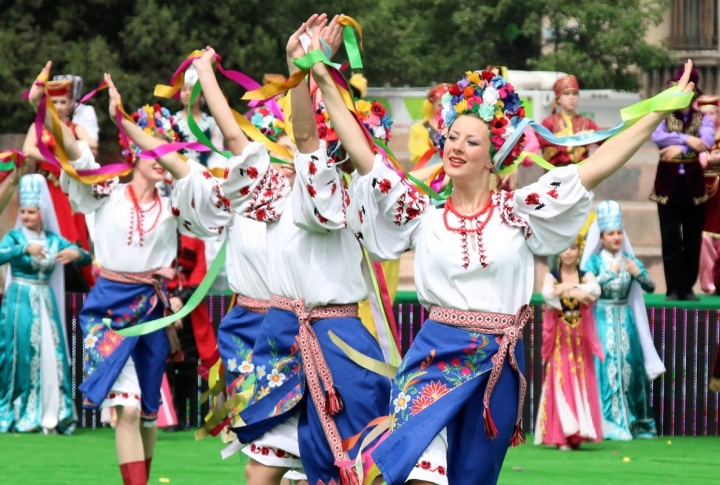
<point x="332" y="34"/>
<point x="670" y="152"/>
<point x="684" y="81"/>
<point x="697" y="144"/>
<point x="631" y="267"/>
<point x="115" y="99"/>
<point x="36" y="91"/>
<point x="67" y="256"/>
<point x="294" y="49"/>
<point x="36" y="250"/>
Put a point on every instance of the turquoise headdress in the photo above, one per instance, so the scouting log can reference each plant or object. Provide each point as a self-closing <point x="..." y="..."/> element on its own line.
<point x="609" y="215"/>
<point x="30" y="190"/>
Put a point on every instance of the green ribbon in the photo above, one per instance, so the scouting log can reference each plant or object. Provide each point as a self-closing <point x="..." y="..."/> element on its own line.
<point x="197" y="297"/>
<point x="351" y="47"/>
<point x="7" y="166"/>
<point x="306" y="62"/>
<point x="195" y="129"/>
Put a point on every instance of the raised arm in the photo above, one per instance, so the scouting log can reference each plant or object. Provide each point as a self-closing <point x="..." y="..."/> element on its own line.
<point x="616" y="151"/>
<point x="346" y="127"/>
<point x="9" y="185"/>
<point x="219" y="108"/>
<point x="170" y="162"/>
<point x="304" y="125"/>
<point x="70" y="144"/>
<point x="30" y="148"/>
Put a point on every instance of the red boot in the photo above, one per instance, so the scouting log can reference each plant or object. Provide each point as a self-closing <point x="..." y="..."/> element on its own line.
<point x="148" y="462"/>
<point x="134" y="473"/>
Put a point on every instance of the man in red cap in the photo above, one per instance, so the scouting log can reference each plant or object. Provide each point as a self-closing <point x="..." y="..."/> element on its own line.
<point x="564" y="123"/>
<point x="680" y="192"/>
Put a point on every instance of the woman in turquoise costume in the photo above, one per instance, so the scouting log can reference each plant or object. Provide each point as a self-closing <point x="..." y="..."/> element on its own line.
<point x="631" y="360"/>
<point x="35" y="388"/>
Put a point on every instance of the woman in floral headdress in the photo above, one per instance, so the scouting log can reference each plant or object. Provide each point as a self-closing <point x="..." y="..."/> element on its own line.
<point x="72" y="225"/>
<point x="35" y="385"/>
<point x="457" y="397"/>
<point x="569" y="411"/>
<point x="630" y="359"/>
<point x="136" y="244"/>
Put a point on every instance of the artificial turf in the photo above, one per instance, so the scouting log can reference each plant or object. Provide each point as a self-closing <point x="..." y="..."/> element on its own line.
<point x="88" y="457"/>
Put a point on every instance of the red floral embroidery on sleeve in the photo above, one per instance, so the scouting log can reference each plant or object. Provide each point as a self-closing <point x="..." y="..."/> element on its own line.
<point x="245" y="191"/>
<point x="252" y="172"/>
<point x="312" y="168"/>
<point x="409" y="206"/>
<point x="504" y="201"/>
<point x="532" y="199"/>
<point x="175" y="211"/>
<point x="103" y="189"/>
<point x="207" y="174"/>
<point x="311" y="190"/>
<point x="553" y="193"/>
<point x="265" y="196"/>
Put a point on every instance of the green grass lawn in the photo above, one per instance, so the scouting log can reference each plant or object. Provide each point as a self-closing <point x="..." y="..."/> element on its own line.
<point x="88" y="457"/>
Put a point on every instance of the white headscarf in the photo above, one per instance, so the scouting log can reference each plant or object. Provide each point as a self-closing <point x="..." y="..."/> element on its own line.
<point x="653" y="365"/>
<point x="49" y="224"/>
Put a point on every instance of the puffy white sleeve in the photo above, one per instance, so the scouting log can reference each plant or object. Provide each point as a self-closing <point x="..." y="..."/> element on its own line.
<point x="591" y="285"/>
<point x="86" y="198"/>
<point x="254" y="188"/>
<point x="320" y="199"/>
<point x="555" y="208"/>
<point x="385" y="212"/>
<point x="548" y="288"/>
<point x="199" y="204"/>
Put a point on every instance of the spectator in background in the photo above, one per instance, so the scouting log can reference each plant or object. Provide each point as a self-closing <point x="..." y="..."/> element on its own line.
<point x="680" y="192"/>
<point x="422" y="134"/>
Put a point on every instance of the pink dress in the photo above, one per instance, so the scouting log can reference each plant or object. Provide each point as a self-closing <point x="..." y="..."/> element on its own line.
<point x="569" y="411"/>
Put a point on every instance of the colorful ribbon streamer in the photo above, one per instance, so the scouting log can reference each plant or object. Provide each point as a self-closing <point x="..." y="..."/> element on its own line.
<point x="197" y="297"/>
<point x="9" y="160"/>
<point x="248" y="128"/>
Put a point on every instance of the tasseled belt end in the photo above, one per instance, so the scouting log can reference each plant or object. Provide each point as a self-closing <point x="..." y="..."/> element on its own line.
<point x="334" y="403"/>
<point x="518" y="436"/>
<point x="490" y="428"/>
<point x="348" y="476"/>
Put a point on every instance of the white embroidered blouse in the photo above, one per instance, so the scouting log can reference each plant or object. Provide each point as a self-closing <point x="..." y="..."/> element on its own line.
<point x="490" y="271"/>
<point x="311" y="255"/>
<point x="119" y="246"/>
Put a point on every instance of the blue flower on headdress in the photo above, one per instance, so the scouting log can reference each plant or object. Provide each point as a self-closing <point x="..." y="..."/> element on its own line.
<point x="498" y="82"/>
<point x="512" y="102"/>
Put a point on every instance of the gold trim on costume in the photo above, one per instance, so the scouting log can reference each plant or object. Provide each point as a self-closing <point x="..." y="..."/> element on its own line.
<point x="660" y="199"/>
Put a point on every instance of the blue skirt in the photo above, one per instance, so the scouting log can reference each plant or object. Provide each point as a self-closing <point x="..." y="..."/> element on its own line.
<point x="236" y="337"/>
<point x="106" y="351"/>
<point x="440" y="384"/>
<point x="280" y="389"/>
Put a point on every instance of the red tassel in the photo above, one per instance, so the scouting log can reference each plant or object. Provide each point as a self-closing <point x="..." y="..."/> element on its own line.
<point x="490" y="428"/>
<point x="518" y="436"/>
<point x="348" y="476"/>
<point x="334" y="403"/>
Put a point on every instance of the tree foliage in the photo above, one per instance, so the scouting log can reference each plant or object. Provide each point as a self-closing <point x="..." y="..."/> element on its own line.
<point x="407" y="42"/>
<point x="603" y="43"/>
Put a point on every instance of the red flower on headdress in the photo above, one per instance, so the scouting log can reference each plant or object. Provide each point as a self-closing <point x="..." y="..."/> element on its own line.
<point x="497" y="125"/>
<point x="377" y="109"/>
<point x="488" y="75"/>
<point x="156" y="107"/>
<point x="319" y="117"/>
<point x="455" y="90"/>
<point x="520" y="113"/>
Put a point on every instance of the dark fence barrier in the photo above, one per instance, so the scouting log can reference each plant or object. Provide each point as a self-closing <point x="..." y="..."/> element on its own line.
<point x="686" y="339"/>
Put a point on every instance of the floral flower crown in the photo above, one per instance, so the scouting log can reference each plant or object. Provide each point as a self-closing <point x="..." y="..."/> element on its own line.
<point x="492" y="99"/>
<point x="327" y="133"/>
<point x="264" y="120"/>
<point x="373" y="116"/>
<point x="153" y="120"/>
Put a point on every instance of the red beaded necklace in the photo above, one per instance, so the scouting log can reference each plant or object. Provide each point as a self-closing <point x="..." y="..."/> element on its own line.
<point x="137" y="217"/>
<point x="489" y="208"/>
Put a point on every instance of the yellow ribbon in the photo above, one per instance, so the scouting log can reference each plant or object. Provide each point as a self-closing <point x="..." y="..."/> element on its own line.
<point x="373" y="365"/>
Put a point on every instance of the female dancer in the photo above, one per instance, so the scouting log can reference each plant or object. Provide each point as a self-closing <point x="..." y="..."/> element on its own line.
<point x="125" y="372"/>
<point x="35" y="389"/>
<point x="72" y="226"/>
<point x="473" y="268"/>
<point x="622" y="377"/>
<point x="569" y="411"/>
